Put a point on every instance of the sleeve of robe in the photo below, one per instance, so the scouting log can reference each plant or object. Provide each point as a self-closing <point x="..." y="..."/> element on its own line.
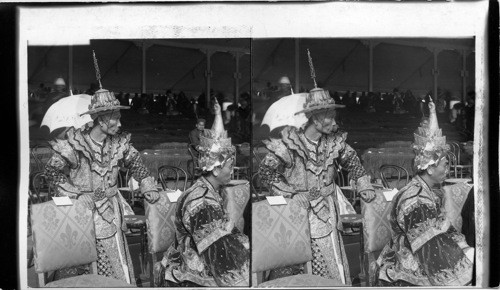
<point x="224" y="249"/>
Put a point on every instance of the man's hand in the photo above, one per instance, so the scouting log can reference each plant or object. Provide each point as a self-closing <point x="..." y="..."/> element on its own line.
<point x="86" y="198"/>
<point x="301" y="199"/>
<point x="151" y="196"/>
<point x="367" y="195"/>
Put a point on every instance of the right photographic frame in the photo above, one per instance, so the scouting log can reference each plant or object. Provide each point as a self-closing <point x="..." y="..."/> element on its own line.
<point x="368" y="155"/>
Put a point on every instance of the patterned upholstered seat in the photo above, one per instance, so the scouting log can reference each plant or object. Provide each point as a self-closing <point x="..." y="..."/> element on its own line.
<point x="236" y="195"/>
<point x="64" y="236"/>
<point x="160" y="218"/>
<point x="454" y="200"/>
<point x="281" y="237"/>
<point x="376" y="230"/>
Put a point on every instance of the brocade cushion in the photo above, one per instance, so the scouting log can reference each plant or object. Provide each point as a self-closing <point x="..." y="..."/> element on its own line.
<point x="236" y="195"/>
<point x="280" y="235"/>
<point x="63" y="236"/>
<point x="376" y="222"/>
<point x="160" y="218"/>
<point x="302" y="280"/>
<point x="88" y="281"/>
<point x="454" y="199"/>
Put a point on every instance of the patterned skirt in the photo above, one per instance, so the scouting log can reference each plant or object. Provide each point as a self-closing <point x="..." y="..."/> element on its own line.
<point x="109" y="263"/>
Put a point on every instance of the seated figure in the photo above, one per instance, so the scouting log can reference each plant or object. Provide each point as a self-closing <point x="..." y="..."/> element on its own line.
<point x="425" y="249"/>
<point x="209" y="250"/>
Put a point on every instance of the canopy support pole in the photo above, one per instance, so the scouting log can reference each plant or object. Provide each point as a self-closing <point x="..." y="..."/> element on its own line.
<point x="464" y="73"/>
<point x="297" y="66"/>
<point x="70" y="69"/>
<point x="237" y="76"/>
<point x="208" y="76"/>
<point x="435" y="73"/>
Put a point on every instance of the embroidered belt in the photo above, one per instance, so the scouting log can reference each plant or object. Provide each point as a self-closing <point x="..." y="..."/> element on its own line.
<point x="315" y="193"/>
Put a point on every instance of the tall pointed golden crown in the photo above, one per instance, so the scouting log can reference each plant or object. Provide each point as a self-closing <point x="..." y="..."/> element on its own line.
<point x="215" y="146"/>
<point x="430" y="144"/>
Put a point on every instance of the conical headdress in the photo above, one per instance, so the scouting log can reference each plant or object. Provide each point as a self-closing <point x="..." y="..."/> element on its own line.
<point x="430" y="144"/>
<point x="318" y="99"/>
<point x="102" y="100"/>
<point x="215" y="147"/>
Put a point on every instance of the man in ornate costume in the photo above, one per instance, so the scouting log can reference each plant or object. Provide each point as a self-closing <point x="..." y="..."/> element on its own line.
<point x="425" y="249"/>
<point x="94" y="155"/>
<point x="301" y="165"/>
<point x="209" y="250"/>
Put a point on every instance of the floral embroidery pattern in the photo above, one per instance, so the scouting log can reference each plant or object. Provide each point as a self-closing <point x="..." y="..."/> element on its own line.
<point x="50" y="221"/>
<point x="295" y="216"/>
<point x="283" y="237"/>
<point x="69" y="237"/>
<point x="264" y="221"/>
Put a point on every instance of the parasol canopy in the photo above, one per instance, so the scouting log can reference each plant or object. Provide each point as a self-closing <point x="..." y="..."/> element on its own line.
<point x="283" y="112"/>
<point x="66" y="113"/>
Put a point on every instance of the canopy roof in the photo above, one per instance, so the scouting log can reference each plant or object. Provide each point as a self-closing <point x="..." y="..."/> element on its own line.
<point x="178" y="64"/>
<point x="343" y="64"/>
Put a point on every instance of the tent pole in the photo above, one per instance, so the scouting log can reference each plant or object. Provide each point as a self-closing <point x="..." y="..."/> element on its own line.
<point x="237" y="76"/>
<point x="143" y="83"/>
<point x="297" y="67"/>
<point x="370" y="72"/>
<point x="435" y="72"/>
<point x="464" y="74"/>
<point x="70" y="69"/>
<point x="208" y="76"/>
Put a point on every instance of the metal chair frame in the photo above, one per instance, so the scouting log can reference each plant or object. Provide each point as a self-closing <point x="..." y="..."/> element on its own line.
<point x="39" y="184"/>
<point x="177" y="175"/>
<point x="400" y="170"/>
<point x="196" y="169"/>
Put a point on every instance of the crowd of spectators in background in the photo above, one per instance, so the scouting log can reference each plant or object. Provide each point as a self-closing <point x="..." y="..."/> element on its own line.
<point x="451" y="108"/>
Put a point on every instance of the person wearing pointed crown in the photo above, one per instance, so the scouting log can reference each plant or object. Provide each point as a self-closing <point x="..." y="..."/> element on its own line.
<point x="94" y="154"/>
<point x="425" y="248"/>
<point x="209" y="250"/>
<point x="302" y="165"/>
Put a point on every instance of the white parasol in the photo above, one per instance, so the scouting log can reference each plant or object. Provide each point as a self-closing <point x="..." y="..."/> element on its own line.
<point x="282" y="112"/>
<point x="66" y="113"/>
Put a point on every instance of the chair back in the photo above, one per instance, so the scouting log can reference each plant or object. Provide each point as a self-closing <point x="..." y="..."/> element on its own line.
<point x="42" y="190"/>
<point x="340" y="177"/>
<point x="280" y="235"/>
<point x="160" y="218"/>
<point x="63" y="236"/>
<point x="377" y="231"/>
<point x="455" y="148"/>
<point x="394" y="176"/>
<point x="452" y="163"/>
<point x="236" y="195"/>
<point x="37" y="155"/>
<point x="172" y="177"/>
<point x="259" y="190"/>
<point x="194" y="169"/>
<point x="454" y="199"/>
